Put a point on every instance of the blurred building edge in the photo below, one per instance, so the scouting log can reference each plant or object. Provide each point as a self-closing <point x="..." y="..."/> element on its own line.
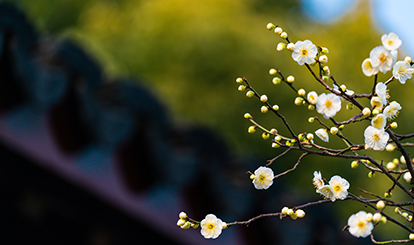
<point x="85" y="161"/>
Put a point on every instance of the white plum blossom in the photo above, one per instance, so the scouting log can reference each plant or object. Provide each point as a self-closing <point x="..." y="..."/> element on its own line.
<point x="359" y="226"/>
<point x="317" y="179"/>
<point x="368" y="69"/>
<point x="379" y="121"/>
<point x="328" y="105"/>
<point x="339" y="186"/>
<point x="312" y="97"/>
<point x="211" y="226"/>
<point x="375" y="138"/>
<point x="382" y="92"/>
<point x="263" y="178"/>
<point x="304" y="52"/>
<point x="402" y="71"/>
<point x="381" y="58"/>
<point x="322" y="134"/>
<point x="407" y="177"/>
<point x="376" y="102"/>
<point x="391" y="41"/>
<point x="392" y="110"/>
<point x="336" y="189"/>
<point x="327" y="192"/>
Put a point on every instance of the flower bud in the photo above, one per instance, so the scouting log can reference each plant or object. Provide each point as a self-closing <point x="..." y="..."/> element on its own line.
<point x="349" y="106"/>
<point x="325" y="79"/>
<point x="341" y="127"/>
<point x="274" y="145"/>
<point x="278" y="138"/>
<point x="376" y="217"/>
<point x="311" y="107"/>
<point x="394" y="125"/>
<point x="290" y="46"/>
<point x="275" y="107"/>
<point x="194" y="225"/>
<point x="371" y="175"/>
<point x="283" y="35"/>
<point x="183" y="215"/>
<point x="334" y="130"/>
<point x="276" y="80"/>
<point x="180" y="222"/>
<point x="224" y="225"/>
<point x="408" y="59"/>
<point x="300" y="213"/>
<point x="311" y="119"/>
<point x="251" y="129"/>
<point x="381" y="205"/>
<point x="298" y="100"/>
<point x="402" y="159"/>
<point x="396" y="210"/>
<point x="265" y="136"/>
<point x="366" y="111"/>
<point x="301" y="92"/>
<point x="272" y="71"/>
<point x="390" y="166"/>
<point x="390" y="147"/>
<point x="354" y="164"/>
<point x="383" y="219"/>
<point x="324" y="50"/>
<point x="387" y="194"/>
<point x="278" y="30"/>
<point x="263" y="98"/>
<point x="186" y="226"/>
<point x="323" y="59"/>
<point x="368" y="217"/>
<point x="241" y="88"/>
<point x="252" y="176"/>
<point x="273" y="131"/>
<point x="264" y="109"/>
<point x="411" y="236"/>
<point x="250" y="94"/>
<point x="239" y="80"/>
<point x="309" y="136"/>
<point x="247" y="115"/>
<point x="280" y="46"/>
<point x="290" y="79"/>
<point x="270" y="26"/>
<point x="285" y="210"/>
<point x="375" y="112"/>
<point x="289" y="212"/>
<point x="407" y="177"/>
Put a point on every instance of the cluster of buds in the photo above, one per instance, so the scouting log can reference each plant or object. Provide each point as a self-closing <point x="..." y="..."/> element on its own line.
<point x="185" y="223"/>
<point x="294" y="214"/>
<point x="405" y="215"/>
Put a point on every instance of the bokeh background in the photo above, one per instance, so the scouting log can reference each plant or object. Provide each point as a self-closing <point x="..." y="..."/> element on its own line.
<point x="189" y="53"/>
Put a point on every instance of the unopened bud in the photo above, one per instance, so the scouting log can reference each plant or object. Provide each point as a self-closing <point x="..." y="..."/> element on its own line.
<point x="290" y="79"/>
<point x="394" y="125"/>
<point x="300" y="213"/>
<point x="285" y="210"/>
<point x="290" y="46"/>
<point x="263" y="98"/>
<point x="366" y="111"/>
<point x="301" y="92"/>
<point x="334" y="130"/>
<point x="408" y="59"/>
<point x="283" y="35"/>
<point x="324" y="50"/>
<point x="183" y="215"/>
<point x="275" y="107"/>
<point x="311" y="119"/>
<point x="272" y="71"/>
<point x="371" y="175"/>
<point x="323" y="59"/>
<point x="298" y="100"/>
<point x="239" y="80"/>
<point x="265" y="136"/>
<point x="280" y="46"/>
<point x="390" y="147"/>
<point x="247" y="115"/>
<point x="376" y="217"/>
<point x="276" y="80"/>
<point x="354" y="164"/>
<point x="180" y="222"/>
<point x="289" y="212"/>
<point x="270" y="26"/>
<point x="241" y="88"/>
<point x="250" y="94"/>
<point x="309" y="136"/>
<point x="195" y="225"/>
<point x="264" y="109"/>
<point x="381" y="205"/>
<point x="278" y="30"/>
<point x="251" y="129"/>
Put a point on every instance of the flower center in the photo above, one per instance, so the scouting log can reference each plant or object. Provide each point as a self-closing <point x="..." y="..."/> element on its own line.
<point x="401" y="70"/>
<point x="361" y="224"/>
<point x="262" y="178"/>
<point x="337" y="188"/>
<point x="304" y="52"/>
<point x="383" y="58"/>
<point x="376" y="137"/>
<point x="328" y="104"/>
<point x="210" y="226"/>
<point x="378" y="122"/>
<point x="390" y="42"/>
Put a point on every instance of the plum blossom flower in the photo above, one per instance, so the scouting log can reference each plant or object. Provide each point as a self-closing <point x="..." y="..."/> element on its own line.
<point x="328" y="105"/>
<point x="322" y="134"/>
<point x="304" y="52"/>
<point x="211" y="226"/>
<point x="402" y="71"/>
<point x="339" y="186"/>
<point x="368" y="69"/>
<point x="312" y="97"/>
<point x="376" y="138"/>
<point x="263" y="178"/>
<point x="317" y="179"/>
<point x="392" y="110"/>
<point x="382" y="92"/>
<point x="336" y="189"/>
<point x="359" y="226"/>
<point x="379" y="121"/>
<point x="391" y="41"/>
<point x="381" y="58"/>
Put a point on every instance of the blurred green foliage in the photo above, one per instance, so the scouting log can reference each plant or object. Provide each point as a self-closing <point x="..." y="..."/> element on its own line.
<point x="190" y="53"/>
